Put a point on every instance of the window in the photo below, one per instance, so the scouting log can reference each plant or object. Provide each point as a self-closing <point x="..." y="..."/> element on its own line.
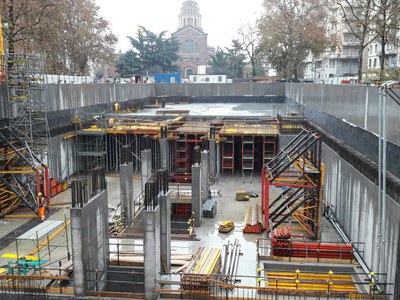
<point x="194" y="78"/>
<point x="190" y="46"/>
<point x="219" y="78"/>
<point x="375" y="62"/>
<point x="188" y="72"/>
<point x="207" y="79"/>
<point x="197" y="59"/>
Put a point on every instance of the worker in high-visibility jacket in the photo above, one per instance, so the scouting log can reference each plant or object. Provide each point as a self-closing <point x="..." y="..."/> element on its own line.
<point x="41" y="202"/>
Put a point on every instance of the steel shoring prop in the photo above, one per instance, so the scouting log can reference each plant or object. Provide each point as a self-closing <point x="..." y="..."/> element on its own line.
<point x="26" y="145"/>
<point x="281" y="196"/>
<point x="18" y="152"/>
<point x="292" y="200"/>
<point x="277" y="211"/>
<point x="282" y="153"/>
<point x="293" y="210"/>
<point x="393" y="95"/>
<point x="285" y="152"/>
<point x="17" y="193"/>
<point x="293" y="157"/>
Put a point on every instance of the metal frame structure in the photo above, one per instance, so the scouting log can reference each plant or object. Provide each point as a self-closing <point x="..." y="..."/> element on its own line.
<point x="24" y="143"/>
<point x="297" y="168"/>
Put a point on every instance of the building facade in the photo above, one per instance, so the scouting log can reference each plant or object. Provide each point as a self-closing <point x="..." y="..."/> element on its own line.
<point x="392" y="57"/>
<point x="338" y="62"/>
<point x="193" y="51"/>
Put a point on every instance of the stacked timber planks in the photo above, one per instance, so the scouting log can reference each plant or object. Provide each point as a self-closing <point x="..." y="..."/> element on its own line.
<point x="253" y="221"/>
<point x="199" y="273"/>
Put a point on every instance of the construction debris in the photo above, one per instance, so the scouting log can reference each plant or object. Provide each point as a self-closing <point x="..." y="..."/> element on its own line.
<point x="253" y="220"/>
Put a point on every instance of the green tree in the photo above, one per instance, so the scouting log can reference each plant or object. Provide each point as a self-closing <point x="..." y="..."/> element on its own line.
<point x="150" y="51"/>
<point x="290" y="30"/>
<point x="230" y="61"/>
<point x="128" y="64"/>
<point x="220" y="62"/>
<point x="236" y="58"/>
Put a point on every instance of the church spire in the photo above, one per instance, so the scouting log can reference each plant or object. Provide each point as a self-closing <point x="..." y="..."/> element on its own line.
<point x="190" y="15"/>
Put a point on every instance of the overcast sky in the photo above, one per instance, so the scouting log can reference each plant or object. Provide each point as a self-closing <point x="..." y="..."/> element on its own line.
<point x="221" y="18"/>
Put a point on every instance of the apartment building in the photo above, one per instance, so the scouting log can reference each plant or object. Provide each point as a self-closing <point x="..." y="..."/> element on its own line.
<point x="339" y="61"/>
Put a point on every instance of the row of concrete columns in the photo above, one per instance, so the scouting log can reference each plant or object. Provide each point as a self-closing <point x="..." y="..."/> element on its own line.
<point x="157" y="222"/>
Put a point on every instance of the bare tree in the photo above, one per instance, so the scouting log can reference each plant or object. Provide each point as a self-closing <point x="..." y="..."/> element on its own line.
<point x="23" y="19"/>
<point x="87" y="35"/>
<point x="360" y="17"/>
<point x="250" y="42"/>
<point x="386" y="27"/>
<point x="70" y="33"/>
<point x="291" y="30"/>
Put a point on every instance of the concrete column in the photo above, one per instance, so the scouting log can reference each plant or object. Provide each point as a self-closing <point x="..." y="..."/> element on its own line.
<point x="78" y="253"/>
<point x="89" y="234"/>
<point x="164" y="153"/>
<point x="152" y="263"/>
<point x="213" y="157"/>
<point x="165" y="221"/>
<point x="197" y="205"/>
<point x="219" y="159"/>
<point x="205" y="169"/>
<point x="146" y="166"/>
<point x="126" y="187"/>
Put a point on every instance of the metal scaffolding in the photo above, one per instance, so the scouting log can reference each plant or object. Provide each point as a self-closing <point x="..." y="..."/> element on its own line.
<point x="24" y="143"/>
<point x="27" y="108"/>
<point x="298" y="170"/>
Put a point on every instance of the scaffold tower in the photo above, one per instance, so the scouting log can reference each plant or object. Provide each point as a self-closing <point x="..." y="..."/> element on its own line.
<point x="24" y="143"/>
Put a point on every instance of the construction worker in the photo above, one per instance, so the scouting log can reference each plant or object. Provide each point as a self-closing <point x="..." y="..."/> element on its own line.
<point x="41" y="202"/>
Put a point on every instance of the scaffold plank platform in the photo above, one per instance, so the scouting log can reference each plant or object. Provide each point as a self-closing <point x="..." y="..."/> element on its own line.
<point x="40" y="230"/>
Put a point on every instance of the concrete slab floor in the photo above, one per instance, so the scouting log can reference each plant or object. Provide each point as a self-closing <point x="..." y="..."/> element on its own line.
<point x="207" y="233"/>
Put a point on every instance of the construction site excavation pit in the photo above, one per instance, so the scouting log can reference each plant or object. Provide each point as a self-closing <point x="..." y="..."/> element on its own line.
<point x="200" y="200"/>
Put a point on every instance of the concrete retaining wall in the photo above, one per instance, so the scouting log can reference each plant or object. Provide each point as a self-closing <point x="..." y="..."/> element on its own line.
<point x="71" y="96"/>
<point x="355" y="202"/>
<point x="356" y="104"/>
<point x="219" y="90"/>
